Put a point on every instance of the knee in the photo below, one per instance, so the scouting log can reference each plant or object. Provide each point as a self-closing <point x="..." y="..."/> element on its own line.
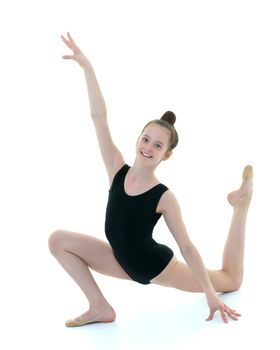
<point x="55" y="241"/>
<point x="230" y="281"/>
<point x="236" y="283"/>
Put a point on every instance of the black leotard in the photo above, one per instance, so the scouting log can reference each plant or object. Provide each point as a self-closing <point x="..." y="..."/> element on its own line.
<point x="129" y="225"/>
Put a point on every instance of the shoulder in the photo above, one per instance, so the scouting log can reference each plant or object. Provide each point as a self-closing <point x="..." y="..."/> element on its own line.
<point x="168" y="202"/>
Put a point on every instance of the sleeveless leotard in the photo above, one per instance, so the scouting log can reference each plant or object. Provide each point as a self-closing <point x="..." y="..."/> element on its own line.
<point x="129" y="225"/>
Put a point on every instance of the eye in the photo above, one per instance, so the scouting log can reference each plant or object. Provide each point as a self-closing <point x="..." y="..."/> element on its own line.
<point x="158" y="145"/>
<point x="145" y="139"/>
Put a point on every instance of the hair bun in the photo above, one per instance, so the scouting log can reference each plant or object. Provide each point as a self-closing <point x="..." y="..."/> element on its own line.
<point x="169" y="117"/>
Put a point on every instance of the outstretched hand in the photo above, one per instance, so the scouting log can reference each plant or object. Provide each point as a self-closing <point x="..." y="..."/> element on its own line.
<point x="77" y="55"/>
<point x="216" y="304"/>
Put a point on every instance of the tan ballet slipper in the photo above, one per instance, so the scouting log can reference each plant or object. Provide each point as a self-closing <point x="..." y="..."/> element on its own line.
<point x="244" y="194"/>
<point x="98" y="319"/>
<point x="248" y="173"/>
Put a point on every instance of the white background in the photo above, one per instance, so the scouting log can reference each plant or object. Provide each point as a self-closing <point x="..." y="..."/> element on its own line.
<point x="216" y="65"/>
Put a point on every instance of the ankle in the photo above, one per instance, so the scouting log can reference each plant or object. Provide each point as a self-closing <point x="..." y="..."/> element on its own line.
<point x="99" y="304"/>
<point x="241" y="207"/>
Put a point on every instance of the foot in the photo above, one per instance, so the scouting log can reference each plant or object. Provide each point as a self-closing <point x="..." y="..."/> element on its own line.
<point x="93" y="316"/>
<point x="242" y="197"/>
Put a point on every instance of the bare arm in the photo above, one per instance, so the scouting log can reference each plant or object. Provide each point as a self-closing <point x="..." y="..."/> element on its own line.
<point x="112" y="157"/>
<point x="174" y="221"/>
<point x="170" y="209"/>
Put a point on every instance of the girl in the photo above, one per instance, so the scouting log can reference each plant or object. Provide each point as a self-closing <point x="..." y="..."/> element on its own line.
<point x="136" y="201"/>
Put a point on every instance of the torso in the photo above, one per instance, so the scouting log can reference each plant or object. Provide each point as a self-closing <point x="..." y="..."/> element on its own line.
<point x="131" y="215"/>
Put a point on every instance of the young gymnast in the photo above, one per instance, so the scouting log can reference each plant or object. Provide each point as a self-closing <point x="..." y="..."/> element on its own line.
<point x="136" y="201"/>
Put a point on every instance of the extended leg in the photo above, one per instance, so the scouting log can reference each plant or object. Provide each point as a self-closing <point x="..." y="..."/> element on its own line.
<point x="233" y="256"/>
<point x="178" y="275"/>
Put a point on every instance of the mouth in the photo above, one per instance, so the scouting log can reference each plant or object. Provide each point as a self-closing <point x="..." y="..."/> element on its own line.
<point x="145" y="155"/>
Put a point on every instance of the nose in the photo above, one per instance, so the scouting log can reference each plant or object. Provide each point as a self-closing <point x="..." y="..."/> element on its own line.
<point x="148" y="148"/>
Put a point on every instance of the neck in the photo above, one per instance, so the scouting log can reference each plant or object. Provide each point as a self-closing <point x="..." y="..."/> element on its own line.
<point x="142" y="173"/>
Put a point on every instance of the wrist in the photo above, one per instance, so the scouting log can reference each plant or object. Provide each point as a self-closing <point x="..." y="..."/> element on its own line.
<point x="210" y="293"/>
<point x="87" y="66"/>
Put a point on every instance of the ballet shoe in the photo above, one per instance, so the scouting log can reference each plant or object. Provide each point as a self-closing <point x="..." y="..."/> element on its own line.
<point x="247" y="173"/>
<point x="75" y="323"/>
<point x="244" y="194"/>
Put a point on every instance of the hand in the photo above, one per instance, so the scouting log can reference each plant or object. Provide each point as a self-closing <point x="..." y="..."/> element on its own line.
<point x="77" y="56"/>
<point x="216" y="304"/>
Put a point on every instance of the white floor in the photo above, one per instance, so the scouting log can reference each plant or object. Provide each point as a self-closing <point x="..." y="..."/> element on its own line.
<point x="147" y="318"/>
<point x="37" y="299"/>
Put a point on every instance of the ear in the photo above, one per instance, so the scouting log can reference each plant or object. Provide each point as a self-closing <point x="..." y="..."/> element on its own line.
<point x="167" y="155"/>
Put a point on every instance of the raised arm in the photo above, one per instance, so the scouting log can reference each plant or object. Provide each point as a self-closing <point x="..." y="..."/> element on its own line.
<point x="112" y="157"/>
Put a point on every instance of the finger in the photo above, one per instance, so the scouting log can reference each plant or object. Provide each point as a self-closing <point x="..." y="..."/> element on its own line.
<point x="66" y="41"/>
<point x="232" y="311"/>
<point x="210" y="317"/>
<point x="68" y="57"/>
<point x="232" y="315"/>
<point x="223" y="315"/>
<point x="72" y="45"/>
<point x="235" y="313"/>
<point x="71" y="39"/>
<point x="69" y="36"/>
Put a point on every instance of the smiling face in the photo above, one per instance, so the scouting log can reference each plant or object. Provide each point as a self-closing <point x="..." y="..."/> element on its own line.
<point x="153" y="144"/>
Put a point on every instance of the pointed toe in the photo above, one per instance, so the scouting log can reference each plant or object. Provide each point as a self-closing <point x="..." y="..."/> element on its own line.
<point x="247" y="173"/>
<point x="73" y="323"/>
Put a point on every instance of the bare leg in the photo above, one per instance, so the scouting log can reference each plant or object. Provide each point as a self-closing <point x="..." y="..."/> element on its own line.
<point x="178" y="275"/>
<point x="233" y="256"/>
<point x="76" y="253"/>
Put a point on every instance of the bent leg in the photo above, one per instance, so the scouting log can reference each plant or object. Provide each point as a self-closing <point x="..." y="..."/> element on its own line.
<point x="94" y="252"/>
<point x="77" y="253"/>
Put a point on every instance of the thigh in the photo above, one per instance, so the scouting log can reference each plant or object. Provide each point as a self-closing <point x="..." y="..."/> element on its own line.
<point x="178" y="275"/>
<point x="96" y="253"/>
